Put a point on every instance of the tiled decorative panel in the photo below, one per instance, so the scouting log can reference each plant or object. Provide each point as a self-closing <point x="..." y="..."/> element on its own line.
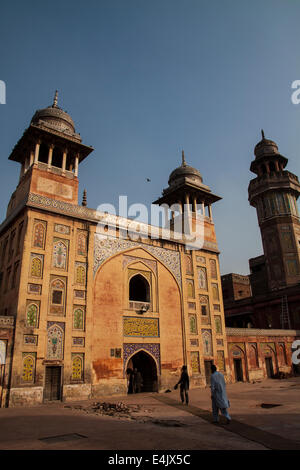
<point x="107" y="247"/>
<point x="193" y="324"/>
<point x="34" y="289"/>
<point x="220" y="360"/>
<point x="218" y="324"/>
<point x="79" y="294"/>
<point x="36" y="265"/>
<point x="60" y="254"/>
<point x="207" y="342"/>
<point x="39" y="234"/>
<point x="28" y="373"/>
<point x="77" y="366"/>
<point x="31" y="340"/>
<point x="202" y="278"/>
<point x="146" y="327"/>
<point x="195" y="362"/>
<point x="78" y="341"/>
<point x="55" y="340"/>
<point x="59" y="228"/>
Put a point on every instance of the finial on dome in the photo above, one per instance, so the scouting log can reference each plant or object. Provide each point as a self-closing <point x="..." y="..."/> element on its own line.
<point x="263" y="134"/>
<point x="183" y="159"/>
<point x="55" y="100"/>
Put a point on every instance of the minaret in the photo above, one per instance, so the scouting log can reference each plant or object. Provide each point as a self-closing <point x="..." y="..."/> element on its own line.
<point x="49" y="153"/>
<point x="189" y="200"/>
<point x="274" y="194"/>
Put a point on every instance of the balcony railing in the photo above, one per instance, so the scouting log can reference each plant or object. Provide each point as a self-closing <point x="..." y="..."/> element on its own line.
<point x="7" y="321"/>
<point x="140" y="306"/>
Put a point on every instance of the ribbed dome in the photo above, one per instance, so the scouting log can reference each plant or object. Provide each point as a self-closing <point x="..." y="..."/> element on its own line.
<point x="54" y="117"/>
<point x="265" y="147"/>
<point x="184" y="171"/>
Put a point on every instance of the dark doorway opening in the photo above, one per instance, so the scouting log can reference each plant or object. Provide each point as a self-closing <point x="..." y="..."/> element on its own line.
<point x="145" y="364"/>
<point x="207" y="366"/>
<point x="139" y="289"/>
<point x="52" y="389"/>
<point x="269" y="367"/>
<point x="238" y="370"/>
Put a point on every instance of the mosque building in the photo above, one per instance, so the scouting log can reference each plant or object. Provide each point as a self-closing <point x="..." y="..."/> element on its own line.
<point x="82" y="301"/>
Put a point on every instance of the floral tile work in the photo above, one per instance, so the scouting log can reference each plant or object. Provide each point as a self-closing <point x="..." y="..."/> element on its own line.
<point x="107" y="247"/>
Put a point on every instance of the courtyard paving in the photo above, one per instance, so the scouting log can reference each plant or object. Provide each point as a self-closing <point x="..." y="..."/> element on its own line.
<point x="161" y="422"/>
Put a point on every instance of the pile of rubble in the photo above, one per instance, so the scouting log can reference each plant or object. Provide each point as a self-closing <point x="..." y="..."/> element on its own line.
<point x="110" y="409"/>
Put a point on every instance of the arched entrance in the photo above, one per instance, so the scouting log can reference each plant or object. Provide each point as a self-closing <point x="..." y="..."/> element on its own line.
<point x="146" y="365"/>
<point x="238" y="363"/>
<point x="270" y="361"/>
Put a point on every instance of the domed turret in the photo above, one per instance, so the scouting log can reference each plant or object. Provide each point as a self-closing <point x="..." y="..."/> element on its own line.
<point x="185" y="171"/>
<point x="265" y="147"/>
<point x="267" y="158"/>
<point x="55" y="118"/>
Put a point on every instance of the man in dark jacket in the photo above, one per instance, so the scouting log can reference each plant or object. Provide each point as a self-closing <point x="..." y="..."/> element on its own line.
<point x="184" y="382"/>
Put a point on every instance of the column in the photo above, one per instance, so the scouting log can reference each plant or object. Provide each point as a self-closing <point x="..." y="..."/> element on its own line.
<point x="51" y="147"/>
<point x="64" y="160"/>
<point x="76" y="164"/>
<point x="26" y="164"/>
<point x="203" y="209"/>
<point x="166" y="215"/>
<point x="195" y="204"/>
<point x="31" y="158"/>
<point x="180" y="206"/>
<point x="187" y="202"/>
<point x="187" y="218"/>
<point x="22" y="170"/>
<point x="210" y="212"/>
<point x="37" y="151"/>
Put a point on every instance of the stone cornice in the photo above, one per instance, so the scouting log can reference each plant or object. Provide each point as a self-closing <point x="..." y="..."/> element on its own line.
<point x="94" y="216"/>
<point x="260" y="332"/>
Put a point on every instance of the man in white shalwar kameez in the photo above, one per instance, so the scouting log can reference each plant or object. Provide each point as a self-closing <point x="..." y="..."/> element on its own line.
<point x="218" y="395"/>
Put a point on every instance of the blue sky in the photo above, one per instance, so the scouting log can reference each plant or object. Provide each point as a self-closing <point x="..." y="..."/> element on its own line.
<point x="144" y="79"/>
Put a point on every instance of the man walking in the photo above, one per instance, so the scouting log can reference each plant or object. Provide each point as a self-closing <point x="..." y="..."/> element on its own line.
<point x="184" y="382"/>
<point x="218" y="395"/>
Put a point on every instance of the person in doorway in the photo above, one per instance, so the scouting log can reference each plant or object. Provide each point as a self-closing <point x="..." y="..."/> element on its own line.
<point x="138" y="381"/>
<point x="184" y="383"/>
<point x="130" y="376"/>
<point x="218" y="395"/>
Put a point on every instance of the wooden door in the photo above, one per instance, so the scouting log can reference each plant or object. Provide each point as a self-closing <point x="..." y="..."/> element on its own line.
<point x="52" y="389"/>
<point x="207" y="365"/>
<point x="238" y="369"/>
<point x="269" y="367"/>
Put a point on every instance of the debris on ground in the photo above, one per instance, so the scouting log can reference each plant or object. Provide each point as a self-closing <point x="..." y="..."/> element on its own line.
<point x="109" y="409"/>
